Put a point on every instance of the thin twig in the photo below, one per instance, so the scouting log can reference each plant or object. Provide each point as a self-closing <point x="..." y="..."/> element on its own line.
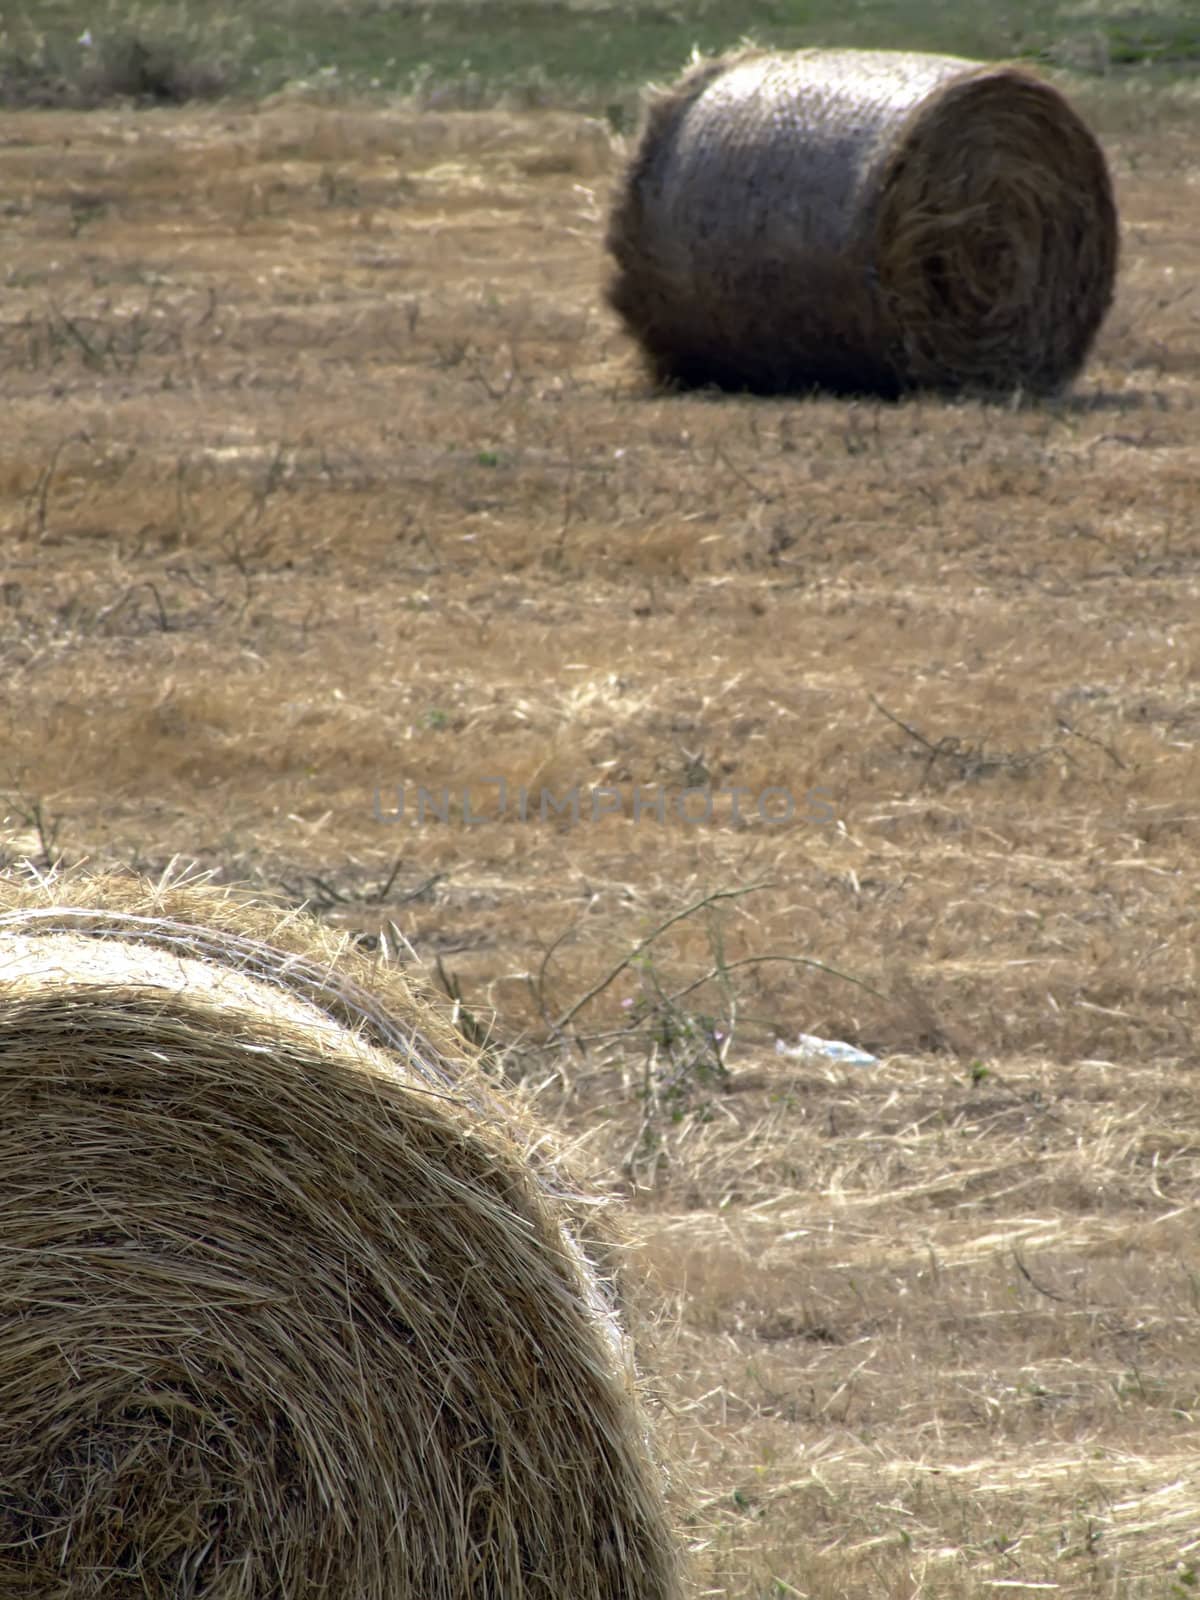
<point x="1089" y="738"/>
<point x="378" y="896"/>
<point x="913" y="733"/>
<point x="795" y="961"/>
<point x="41" y="489"/>
<point x="539" y="984"/>
<point x="1050" y="1294"/>
<point x="642" y="944"/>
<point x="754" y="488"/>
<point x="110" y="610"/>
<point x="422" y="888"/>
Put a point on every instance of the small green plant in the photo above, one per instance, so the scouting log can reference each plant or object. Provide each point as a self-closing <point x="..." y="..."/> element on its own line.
<point x="684" y="1060"/>
<point x="468" y="1022"/>
<point x="44" y="828"/>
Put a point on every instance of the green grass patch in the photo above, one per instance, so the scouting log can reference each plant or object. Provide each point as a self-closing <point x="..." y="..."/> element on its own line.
<point x="582" y="52"/>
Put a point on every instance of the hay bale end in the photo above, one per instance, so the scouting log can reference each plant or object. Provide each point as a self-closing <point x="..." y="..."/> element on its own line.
<point x="294" y="1301"/>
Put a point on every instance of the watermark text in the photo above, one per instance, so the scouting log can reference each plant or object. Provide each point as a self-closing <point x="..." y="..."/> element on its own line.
<point x="703" y="805"/>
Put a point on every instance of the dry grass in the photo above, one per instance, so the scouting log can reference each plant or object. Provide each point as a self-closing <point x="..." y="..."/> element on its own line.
<point x="326" y="470"/>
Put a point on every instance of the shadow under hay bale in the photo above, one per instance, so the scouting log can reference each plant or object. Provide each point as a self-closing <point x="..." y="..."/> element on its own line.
<point x="292" y="1305"/>
<point x="863" y="221"/>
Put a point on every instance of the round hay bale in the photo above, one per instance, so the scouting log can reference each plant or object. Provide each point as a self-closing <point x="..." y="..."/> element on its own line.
<point x="293" y="1302"/>
<point x="863" y="221"/>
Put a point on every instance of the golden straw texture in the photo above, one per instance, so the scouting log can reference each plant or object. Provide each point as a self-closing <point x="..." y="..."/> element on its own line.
<point x="865" y="221"/>
<point x="291" y="1303"/>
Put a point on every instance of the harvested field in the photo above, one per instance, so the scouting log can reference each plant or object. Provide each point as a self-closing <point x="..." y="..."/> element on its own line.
<point x="329" y="478"/>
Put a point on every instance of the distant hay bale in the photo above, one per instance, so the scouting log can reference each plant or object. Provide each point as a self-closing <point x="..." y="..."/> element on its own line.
<point x="863" y="221"/>
<point x="292" y="1299"/>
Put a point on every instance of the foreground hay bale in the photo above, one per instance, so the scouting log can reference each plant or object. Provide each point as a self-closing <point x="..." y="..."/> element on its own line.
<point x="863" y="221"/>
<point x="289" y="1304"/>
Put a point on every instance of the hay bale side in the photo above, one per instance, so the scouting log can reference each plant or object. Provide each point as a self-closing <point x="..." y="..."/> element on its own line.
<point x="863" y="221"/>
<point x="281" y="1316"/>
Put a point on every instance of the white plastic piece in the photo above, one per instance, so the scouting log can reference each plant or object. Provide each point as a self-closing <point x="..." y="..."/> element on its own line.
<point x="811" y="1046"/>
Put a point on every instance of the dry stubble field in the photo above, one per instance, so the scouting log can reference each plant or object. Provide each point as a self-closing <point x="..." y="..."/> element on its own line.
<point x="325" y="473"/>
